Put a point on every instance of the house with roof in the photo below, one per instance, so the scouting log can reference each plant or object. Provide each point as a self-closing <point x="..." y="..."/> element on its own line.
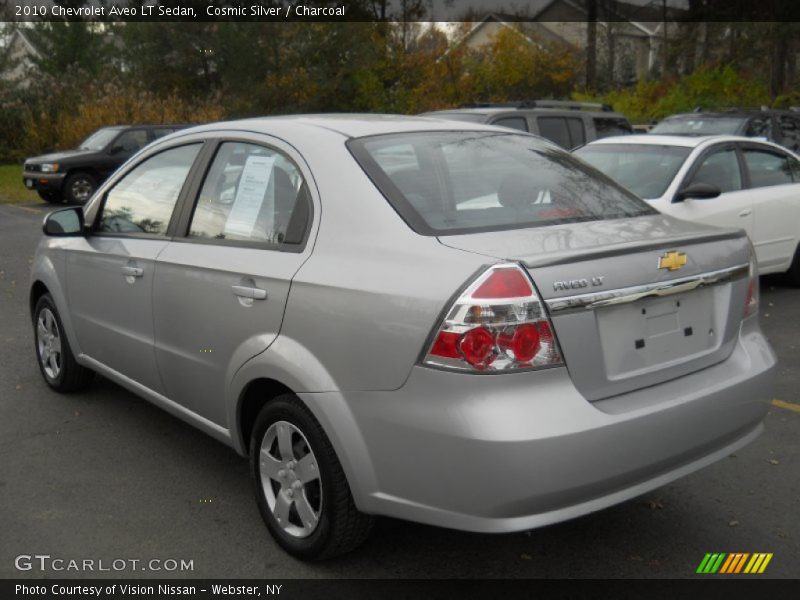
<point x="19" y="56"/>
<point x="629" y="35"/>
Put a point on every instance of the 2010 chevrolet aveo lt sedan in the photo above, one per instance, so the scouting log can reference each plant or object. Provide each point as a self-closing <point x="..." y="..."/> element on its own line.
<point x="457" y="325"/>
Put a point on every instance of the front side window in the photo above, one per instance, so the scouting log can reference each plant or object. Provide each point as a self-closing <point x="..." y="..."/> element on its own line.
<point x="577" y="133"/>
<point x="252" y="194"/>
<point x="555" y="130"/>
<point x="768" y="168"/>
<point x="130" y="141"/>
<point x="143" y="200"/>
<point x="760" y="126"/>
<point x="645" y="169"/>
<point x="464" y="181"/>
<point x="720" y="169"/>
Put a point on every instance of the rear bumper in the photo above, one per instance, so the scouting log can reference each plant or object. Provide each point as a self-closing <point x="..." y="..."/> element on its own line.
<point x="501" y="453"/>
<point x="44" y="182"/>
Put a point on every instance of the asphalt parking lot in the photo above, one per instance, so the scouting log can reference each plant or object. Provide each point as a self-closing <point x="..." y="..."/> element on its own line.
<point x="104" y="475"/>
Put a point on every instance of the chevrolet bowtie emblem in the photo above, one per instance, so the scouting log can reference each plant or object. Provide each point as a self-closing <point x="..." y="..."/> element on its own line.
<point x="672" y="260"/>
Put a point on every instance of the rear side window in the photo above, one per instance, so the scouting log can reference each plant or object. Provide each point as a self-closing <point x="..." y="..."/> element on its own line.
<point x="769" y="168"/>
<point x="606" y="127"/>
<point x="461" y="182"/>
<point x="567" y="132"/>
<point x="512" y="123"/>
<point x="253" y="194"/>
<point x="143" y="200"/>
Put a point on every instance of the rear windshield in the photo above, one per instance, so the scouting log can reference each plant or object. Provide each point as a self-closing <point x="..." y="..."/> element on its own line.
<point x="645" y="169"/>
<point x="467" y="181"/>
<point x="699" y="125"/>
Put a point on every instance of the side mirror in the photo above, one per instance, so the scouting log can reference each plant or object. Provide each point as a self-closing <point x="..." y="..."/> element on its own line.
<point x="64" y="222"/>
<point x="697" y="190"/>
<point x="116" y="150"/>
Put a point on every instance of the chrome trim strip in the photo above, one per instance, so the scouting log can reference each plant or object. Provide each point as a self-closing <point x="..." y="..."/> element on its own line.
<point x="591" y="301"/>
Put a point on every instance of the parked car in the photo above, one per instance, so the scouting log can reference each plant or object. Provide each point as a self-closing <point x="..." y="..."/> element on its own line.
<point x="380" y="312"/>
<point x="568" y="124"/>
<point x="779" y="126"/>
<point x="720" y="180"/>
<point x="75" y="174"/>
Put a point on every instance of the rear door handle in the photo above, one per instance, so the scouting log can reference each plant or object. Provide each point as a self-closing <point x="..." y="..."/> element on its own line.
<point x="746" y="212"/>
<point x="253" y="293"/>
<point x="132" y="271"/>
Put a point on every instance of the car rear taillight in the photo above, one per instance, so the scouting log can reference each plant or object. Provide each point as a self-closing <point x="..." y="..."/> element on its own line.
<point x="751" y="301"/>
<point x="498" y="324"/>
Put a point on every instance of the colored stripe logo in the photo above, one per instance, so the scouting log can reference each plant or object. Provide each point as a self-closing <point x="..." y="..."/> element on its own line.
<point x="734" y="563"/>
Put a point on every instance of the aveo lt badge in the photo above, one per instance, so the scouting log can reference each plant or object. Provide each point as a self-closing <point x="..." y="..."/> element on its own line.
<point x="672" y="260"/>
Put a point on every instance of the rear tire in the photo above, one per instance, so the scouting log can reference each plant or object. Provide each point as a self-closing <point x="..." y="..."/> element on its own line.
<point x="79" y="187"/>
<point x="301" y="489"/>
<point x="53" y="353"/>
<point x="793" y="274"/>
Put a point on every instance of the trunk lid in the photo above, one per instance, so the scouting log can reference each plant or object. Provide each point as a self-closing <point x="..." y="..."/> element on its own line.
<point x="622" y="322"/>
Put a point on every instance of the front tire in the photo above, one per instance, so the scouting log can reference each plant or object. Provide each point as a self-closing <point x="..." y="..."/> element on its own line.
<point x="300" y="487"/>
<point x="53" y="352"/>
<point x="79" y="187"/>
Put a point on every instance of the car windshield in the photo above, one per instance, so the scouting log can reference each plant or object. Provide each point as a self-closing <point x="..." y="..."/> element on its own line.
<point x="468" y="181"/>
<point x="699" y="125"/>
<point x="99" y="139"/>
<point x="645" y="169"/>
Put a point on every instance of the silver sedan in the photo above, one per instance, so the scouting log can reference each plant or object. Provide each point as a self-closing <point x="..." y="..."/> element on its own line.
<point x="449" y="323"/>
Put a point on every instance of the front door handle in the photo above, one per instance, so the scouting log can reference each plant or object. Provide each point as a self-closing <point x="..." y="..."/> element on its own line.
<point x="253" y="293"/>
<point x="746" y="212"/>
<point x="132" y="271"/>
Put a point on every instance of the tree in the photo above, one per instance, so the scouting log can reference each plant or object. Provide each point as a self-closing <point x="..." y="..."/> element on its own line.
<point x="512" y="67"/>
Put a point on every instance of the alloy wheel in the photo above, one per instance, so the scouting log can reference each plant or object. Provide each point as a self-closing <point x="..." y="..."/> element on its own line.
<point x="290" y="479"/>
<point x="81" y="190"/>
<point x="48" y="341"/>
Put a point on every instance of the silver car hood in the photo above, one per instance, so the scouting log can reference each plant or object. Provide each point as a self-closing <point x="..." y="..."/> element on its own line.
<point x="569" y="242"/>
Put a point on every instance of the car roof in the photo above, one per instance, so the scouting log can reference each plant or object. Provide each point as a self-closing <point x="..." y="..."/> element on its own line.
<point x="671" y="140"/>
<point x="153" y="125"/>
<point x="510" y="110"/>
<point x="349" y="125"/>
<point x="732" y="112"/>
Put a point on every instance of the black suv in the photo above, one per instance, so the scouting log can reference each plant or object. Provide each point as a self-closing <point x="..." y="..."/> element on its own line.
<point x="779" y="126"/>
<point x="75" y="174"/>
<point x="568" y="124"/>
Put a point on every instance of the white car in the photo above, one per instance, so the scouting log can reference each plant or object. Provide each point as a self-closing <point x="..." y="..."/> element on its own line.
<point x="728" y="181"/>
